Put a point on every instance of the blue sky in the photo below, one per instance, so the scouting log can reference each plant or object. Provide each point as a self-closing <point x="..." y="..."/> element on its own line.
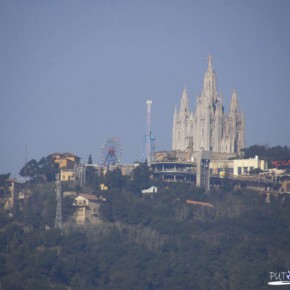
<point x="75" y="72"/>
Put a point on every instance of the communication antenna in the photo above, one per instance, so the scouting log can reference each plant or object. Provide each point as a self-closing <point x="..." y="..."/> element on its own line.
<point x="58" y="215"/>
<point x="148" y="146"/>
<point x="25" y="160"/>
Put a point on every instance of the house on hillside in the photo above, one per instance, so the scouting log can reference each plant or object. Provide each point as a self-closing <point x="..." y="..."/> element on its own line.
<point x="87" y="208"/>
<point x="67" y="163"/>
<point x="67" y="175"/>
<point x="65" y="160"/>
<point x="11" y="192"/>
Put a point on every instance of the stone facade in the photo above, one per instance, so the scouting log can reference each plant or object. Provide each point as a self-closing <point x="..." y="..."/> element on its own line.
<point x="209" y="128"/>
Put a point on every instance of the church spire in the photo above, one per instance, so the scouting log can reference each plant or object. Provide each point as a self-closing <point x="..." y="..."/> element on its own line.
<point x="234" y="108"/>
<point x="209" y="85"/>
<point x="209" y="58"/>
<point x="184" y="101"/>
<point x="209" y="126"/>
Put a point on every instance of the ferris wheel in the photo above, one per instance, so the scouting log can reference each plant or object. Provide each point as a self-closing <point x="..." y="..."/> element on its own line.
<point x="111" y="152"/>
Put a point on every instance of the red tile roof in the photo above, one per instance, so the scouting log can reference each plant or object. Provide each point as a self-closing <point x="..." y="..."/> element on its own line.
<point x="89" y="196"/>
<point x="199" y="203"/>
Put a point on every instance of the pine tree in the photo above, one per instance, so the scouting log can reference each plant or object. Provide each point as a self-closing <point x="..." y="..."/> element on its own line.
<point x="91" y="176"/>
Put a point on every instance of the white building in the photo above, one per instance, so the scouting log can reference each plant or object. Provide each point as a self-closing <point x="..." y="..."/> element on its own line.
<point x="244" y="166"/>
<point x="67" y="175"/>
<point x="237" y="167"/>
<point x="151" y="190"/>
<point x="209" y="128"/>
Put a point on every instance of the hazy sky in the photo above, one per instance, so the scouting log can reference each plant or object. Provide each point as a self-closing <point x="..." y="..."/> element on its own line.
<point x="75" y="72"/>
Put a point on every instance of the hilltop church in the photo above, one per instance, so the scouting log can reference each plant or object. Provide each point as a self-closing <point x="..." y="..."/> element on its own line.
<point x="209" y="128"/>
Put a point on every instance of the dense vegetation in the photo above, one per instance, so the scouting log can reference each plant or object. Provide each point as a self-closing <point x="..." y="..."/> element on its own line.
<point x="270" y="154"/>
<point x="39" y="171"/>
<point x="152" y="242"/>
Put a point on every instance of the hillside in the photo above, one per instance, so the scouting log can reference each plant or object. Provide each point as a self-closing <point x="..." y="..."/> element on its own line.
<point x="158" y="242"/>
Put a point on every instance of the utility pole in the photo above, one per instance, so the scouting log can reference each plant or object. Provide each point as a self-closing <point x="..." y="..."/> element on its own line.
<point x="25" y="160"/>
<point x="80" y="174"/>
<point x="58" y="215"/>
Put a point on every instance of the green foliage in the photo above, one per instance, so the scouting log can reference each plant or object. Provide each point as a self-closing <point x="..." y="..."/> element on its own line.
<point x="158" y="242"/>
<point x="90" y="160"/>
<point x="50" y="238"/>
<point x="3" y="178"/>
<point x="276" y="153"/>
<point x="3" y="184"/>
<point x="91" y="177"/>
<point x="67" y="209"/>
<point x="30" y="169"/>
<point x="48" y="168"/>
<point x="140" y="178"/>
<point x="43" y="170"/>
<point x="114" y="179"/>
<point x="39" y="209"/>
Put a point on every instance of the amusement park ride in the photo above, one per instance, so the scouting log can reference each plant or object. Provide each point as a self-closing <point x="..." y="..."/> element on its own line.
<point x="112" y="149"/>
<point x="111" y="152"/>
<point x="110" y="156"/>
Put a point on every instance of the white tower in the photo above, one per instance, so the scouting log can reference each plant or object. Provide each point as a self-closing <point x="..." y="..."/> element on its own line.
<point x="148" y="146"/>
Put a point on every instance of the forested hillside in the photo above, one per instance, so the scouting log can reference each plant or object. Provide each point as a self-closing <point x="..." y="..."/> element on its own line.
<point x="153" y="242"/>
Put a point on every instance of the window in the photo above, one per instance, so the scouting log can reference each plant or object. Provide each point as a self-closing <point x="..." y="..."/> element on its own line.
<point x="82" y="202"/>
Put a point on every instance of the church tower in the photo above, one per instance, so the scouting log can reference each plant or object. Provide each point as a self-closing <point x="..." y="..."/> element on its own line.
<point x="237" y="125"/>
<point x="181" y="124"/>
<point x="209" y="128"/>
<point x="208" y="113"/>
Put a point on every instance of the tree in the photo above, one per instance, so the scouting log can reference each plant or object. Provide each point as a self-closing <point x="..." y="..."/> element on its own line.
<point x="3" y="178"/>
<point x="48" y="168"/>
<point x="140" y="178"/>
<point x="30" y="169"/>
<point x="90" y="160"/>
<point x="276" y="153"/>
<point x="45" y="168"/>
<point x="255" y="150"/>
<point x="91" y="175"/>
<point x="114" y="179"/>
